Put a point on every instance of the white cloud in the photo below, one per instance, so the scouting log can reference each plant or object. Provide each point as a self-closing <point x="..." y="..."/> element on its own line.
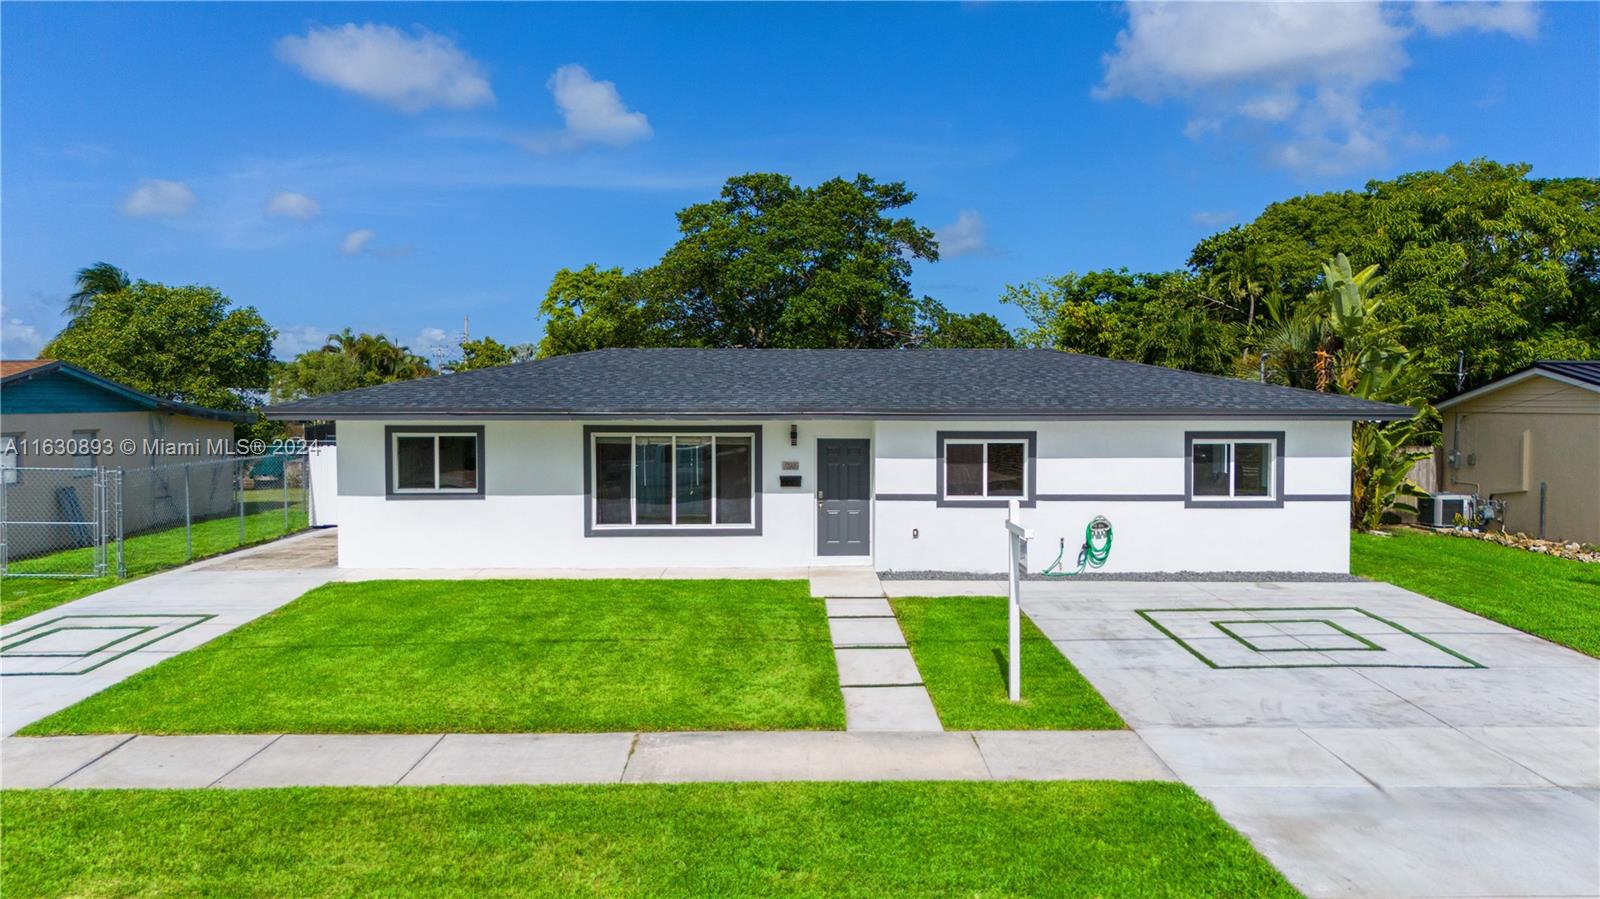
<point x="19" y="340"/>
<point x="593" y="111"/>
<point x="1176" y="49"/>
<point x="411" y="72"/>
<point x="289" y="204"/>
<point x="297" y="339"/>
<point x="356" y="242"/>
<point x="1214" y="218"/>
<point x="1297" y="73"/>
<point x="966" y="236"/>
<point x="156" y="197"/>
<point x="1518" y="19"/>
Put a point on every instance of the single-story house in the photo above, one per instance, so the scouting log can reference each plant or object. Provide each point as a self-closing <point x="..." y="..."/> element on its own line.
<point x="1531" y="439"/>
<point x="901" y="459"/>
<point x="59" y="422"/>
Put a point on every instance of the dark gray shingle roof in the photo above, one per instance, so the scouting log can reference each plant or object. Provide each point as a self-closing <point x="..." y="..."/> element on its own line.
<point x="797" y="383"/>
<point x="1587" y="372"/>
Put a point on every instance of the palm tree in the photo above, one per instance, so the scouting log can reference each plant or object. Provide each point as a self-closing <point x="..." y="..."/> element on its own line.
<point x="95" y="281"/>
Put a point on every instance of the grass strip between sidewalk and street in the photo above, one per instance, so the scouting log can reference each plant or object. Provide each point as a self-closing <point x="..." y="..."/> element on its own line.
<point x="1095" y="838"/>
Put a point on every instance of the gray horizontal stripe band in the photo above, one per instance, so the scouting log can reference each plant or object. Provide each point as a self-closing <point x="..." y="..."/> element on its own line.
<point x="1116" y="497"/>
<point x="1112" y="497"/>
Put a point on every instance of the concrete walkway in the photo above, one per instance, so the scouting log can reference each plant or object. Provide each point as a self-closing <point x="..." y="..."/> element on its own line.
<point x="271" y="760"/>
<point x="1355" y="781"/>
<point x="882" y="688"/>
<point x="61" y="656"/>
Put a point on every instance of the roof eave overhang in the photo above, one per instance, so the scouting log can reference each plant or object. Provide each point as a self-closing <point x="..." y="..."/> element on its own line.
<point x="138" y="397"/>
<point x="1514" y="378"/>
<point x="314" y="414"/>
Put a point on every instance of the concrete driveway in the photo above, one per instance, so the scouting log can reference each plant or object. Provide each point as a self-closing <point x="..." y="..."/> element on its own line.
<point x="1417" y="773"/>
<point x="61" y="656"/>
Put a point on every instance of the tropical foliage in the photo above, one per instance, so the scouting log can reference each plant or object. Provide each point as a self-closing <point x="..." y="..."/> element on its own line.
<point x="1478" y="259"/>
<point x="95" y="281"/>
<point x="486" y="352"/>
<point x="347" y="361"/>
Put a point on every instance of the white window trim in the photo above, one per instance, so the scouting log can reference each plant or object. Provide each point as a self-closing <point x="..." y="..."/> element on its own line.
<point x="11" y="457"/>
<point x="633" y="475"/>
<point x="985" y="497"/>
<point x="84" y="437"/>
<point x="1227" y="471"/>
<point x="394" y="456"/>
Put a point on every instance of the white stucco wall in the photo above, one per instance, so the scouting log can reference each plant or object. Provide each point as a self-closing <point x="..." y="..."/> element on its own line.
<point x="1119" y="458"/>
<point x="532" y="514"/>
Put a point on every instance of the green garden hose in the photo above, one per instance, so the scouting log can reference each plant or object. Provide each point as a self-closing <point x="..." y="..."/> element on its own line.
<point x="1091" y="555"/>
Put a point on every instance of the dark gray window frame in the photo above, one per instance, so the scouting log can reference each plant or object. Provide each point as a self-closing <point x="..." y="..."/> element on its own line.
<point x="389" y="433"/>
<point x="1031" y="438"/>
<point x="756" y="482"/>
<point x="1279" y="462"/>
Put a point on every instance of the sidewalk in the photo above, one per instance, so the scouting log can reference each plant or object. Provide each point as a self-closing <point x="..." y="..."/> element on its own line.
<point x="274" y="760"/>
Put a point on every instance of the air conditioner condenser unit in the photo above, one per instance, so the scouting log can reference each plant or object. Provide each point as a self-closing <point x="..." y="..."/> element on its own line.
<point x="1441" y="509"/>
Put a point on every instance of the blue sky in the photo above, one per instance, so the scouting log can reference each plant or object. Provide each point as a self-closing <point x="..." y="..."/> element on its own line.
<point x="398" y="167"/>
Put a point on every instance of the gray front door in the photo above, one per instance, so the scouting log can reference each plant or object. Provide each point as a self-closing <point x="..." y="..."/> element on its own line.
<point x="844" y="497"/>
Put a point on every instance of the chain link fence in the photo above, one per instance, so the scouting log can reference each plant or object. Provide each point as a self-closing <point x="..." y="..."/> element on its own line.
<point x="89" y="522"/>
<point x="54" y="522"/>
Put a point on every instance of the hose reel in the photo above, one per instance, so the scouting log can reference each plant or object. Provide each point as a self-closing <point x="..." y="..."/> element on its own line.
<point x="1094" y="553"/>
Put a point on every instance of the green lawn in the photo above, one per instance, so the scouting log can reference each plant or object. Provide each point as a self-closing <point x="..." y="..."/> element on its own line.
<point x="1557" y="599"/>
<point x="495" y="656"/>
<point x="960" y="647"/>
<point x="146" y="554"/>
<point x="833" y="839"/>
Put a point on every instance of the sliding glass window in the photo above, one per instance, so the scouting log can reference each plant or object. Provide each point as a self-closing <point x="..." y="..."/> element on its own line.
<point x="673" y="480"/>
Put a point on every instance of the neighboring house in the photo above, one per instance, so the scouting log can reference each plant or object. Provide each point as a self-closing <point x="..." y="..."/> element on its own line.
<point x="58" y="422"/>
<point x="902" y="459"/>
<point x="1531" y="439"/>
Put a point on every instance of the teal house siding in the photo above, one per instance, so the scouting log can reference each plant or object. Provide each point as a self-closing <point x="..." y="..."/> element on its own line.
<point x="55" y="393"/>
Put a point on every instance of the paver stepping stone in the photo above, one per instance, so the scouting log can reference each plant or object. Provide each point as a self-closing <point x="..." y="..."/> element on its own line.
<point x="877" y="668"/>
<point x="859" y="607"/>
<point x="865" y="632"/>
<point x="889" y="709"/>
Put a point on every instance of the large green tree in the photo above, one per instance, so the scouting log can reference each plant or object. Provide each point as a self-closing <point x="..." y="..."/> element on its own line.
<point x="1479" y="259"/>
<point x="773" y="264"/>
<point x="182" y="343"/>
<point x="594" y="308"/>
<point x="770" y="263"/>
<point x="1159" y="318"/>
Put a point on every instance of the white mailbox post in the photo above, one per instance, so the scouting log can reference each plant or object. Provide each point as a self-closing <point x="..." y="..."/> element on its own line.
<point x="1017" y="538"/>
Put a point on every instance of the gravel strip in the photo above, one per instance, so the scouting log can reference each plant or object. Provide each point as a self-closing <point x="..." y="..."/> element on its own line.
<point x="1310" y="577"/>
